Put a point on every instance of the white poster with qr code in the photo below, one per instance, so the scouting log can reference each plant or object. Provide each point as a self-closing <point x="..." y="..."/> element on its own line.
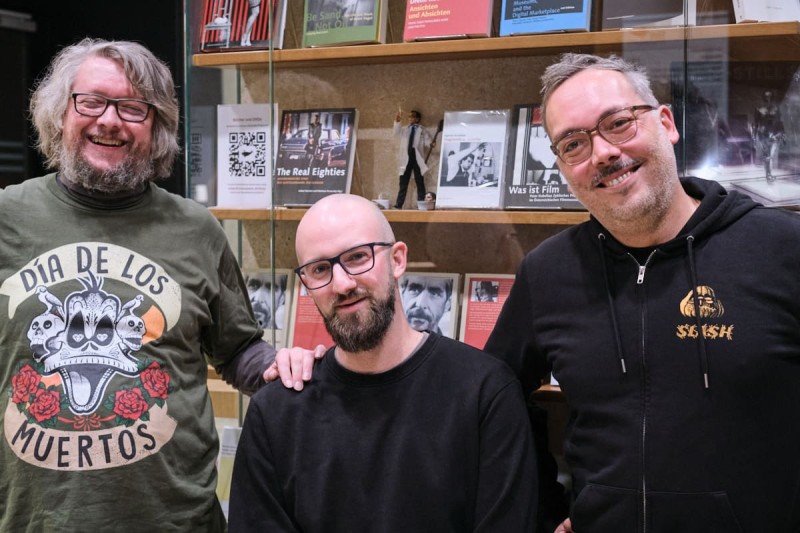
<point x="246" y="142"/>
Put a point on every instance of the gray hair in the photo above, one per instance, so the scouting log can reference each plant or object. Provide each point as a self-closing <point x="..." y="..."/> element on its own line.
<point x="148" y="75"/>
<point x="570" y="64"/>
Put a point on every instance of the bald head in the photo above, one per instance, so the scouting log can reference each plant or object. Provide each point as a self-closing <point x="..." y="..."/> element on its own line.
<point x="338" y="222"/>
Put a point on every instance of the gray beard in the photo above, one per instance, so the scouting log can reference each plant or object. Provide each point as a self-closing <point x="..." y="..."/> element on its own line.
<point x="354" y="335"/>
<point x="129" y="176"/>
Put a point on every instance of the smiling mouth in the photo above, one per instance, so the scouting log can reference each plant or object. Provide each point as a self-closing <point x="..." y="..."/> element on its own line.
<point x="632" y="167"/>
<point x="105" y="142"/>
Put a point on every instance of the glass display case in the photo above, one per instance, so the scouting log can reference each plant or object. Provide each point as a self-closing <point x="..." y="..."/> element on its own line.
<point x="713" y="73"/>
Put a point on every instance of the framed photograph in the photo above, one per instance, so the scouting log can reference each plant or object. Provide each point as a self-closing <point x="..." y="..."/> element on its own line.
<point x="430" y="301"/>
<point x="270" y="298"/>
<point x="484" y="296"/>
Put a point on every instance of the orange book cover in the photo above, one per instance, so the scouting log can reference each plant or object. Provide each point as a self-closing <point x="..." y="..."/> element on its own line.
<point x="307" y="328"/>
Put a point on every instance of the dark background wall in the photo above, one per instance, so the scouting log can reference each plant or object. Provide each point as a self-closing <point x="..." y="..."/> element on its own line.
<point x="158" y="24"/>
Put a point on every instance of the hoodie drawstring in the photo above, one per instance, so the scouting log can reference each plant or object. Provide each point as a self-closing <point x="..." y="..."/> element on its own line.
<point x="601" y="239"/>
<point x="696" y="301"/>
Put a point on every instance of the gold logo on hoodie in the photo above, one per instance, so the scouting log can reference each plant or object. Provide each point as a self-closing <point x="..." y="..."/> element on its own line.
<point x="709" y="307"/>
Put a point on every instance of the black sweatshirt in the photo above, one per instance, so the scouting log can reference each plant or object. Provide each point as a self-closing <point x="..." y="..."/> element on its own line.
<point x="681" y="421"/>
<point x="440" y="443"/>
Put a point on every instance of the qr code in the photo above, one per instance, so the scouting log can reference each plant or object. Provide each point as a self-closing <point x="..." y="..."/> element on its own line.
<point x="247" y="154"/>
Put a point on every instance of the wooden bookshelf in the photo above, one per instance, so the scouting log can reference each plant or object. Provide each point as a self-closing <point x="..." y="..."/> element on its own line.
<point x="747" y="41"/>
<point x="437" y="216"/>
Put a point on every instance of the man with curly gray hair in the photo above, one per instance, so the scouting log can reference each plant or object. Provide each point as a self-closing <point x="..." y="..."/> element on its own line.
<point x="115" y="295"/>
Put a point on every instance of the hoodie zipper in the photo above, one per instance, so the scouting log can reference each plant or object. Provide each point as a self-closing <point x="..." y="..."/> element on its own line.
<point x="642" y="269"/>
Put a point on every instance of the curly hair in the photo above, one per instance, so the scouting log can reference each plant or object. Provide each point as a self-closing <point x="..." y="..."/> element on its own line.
<point x="149" y="76"/>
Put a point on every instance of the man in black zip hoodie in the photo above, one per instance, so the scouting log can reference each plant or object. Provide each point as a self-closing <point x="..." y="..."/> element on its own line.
<point x="673" y="327"/>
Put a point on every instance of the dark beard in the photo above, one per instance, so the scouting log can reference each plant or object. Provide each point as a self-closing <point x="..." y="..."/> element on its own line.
<point x="354" y="335"/>
<point x="129" y="176"/>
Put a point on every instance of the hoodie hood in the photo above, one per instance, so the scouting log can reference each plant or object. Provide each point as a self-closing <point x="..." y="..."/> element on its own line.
<point x="718" y="208"/>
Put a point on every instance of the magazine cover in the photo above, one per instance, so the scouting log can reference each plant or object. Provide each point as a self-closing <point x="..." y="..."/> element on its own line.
<point x="525" y="16"/>
<point x="316" y="152"/>
<point x="484" y="296"/>
<point x="244" y="155"/>
<point x="625" y="14"/>
<point x="306" y="326"/>
<point x="473" y="154"/>
<point x="270" y="298"/>
<point x="447" y="19"/>
<point x="742" y="127"/>
<point x="430" y="301"/>
<point x="344" y="22"/>
<point x="242" y="24"/>
<point x="533" y="180"/>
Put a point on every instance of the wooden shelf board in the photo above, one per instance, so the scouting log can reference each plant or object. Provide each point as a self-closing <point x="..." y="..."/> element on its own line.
<point x="435" y="217"/>
<point x="549" y="393"/>
<point x="738" y="34"/>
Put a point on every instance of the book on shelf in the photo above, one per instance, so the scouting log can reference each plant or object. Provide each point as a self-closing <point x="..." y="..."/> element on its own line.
<point x="533" y="180"/>
<point x="742" y="126"/>
<point x="344" y="22"/>
<point x="229" y="25"/>
<point x="430" y="301"/>
<point x="316" y="152"/>
<point x="617" y="14"/>
<point x="271" y="297"/>
<point x="518" y="17"/>
<point x="473" y="156"/>
<point x="246" y="138"/>
<point x="306" y="325"/>
<point x="447" y="19"/>
<point x="202" y="153"/>
<point x="484" y="296"/>
<point x="766" y="10"/>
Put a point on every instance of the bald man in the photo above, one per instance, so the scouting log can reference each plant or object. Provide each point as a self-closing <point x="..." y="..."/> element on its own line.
<point x="400" y="430"/>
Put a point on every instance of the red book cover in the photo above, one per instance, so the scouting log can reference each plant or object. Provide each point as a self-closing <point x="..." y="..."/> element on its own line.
<point x="484" y="296"/>
<point x="447" y="19"/>
<point x="307" y="328"/>
<point x="241" y="24"/>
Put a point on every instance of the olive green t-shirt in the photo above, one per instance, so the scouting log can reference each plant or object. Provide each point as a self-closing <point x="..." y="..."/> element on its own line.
<point x="108" y="319"/>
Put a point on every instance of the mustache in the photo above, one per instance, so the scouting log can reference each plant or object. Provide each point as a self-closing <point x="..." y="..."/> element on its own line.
<point x="419" y="314"/>
<point x="615" y="167"/>
<point x="358" y="292"/>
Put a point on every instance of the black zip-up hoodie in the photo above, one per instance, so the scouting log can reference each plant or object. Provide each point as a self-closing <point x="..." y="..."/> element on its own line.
<point x="681" y="421"/>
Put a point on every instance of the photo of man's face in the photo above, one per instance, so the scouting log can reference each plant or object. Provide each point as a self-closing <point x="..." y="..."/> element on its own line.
<point x="259" y="289"/>
<point x="426" y="299"/>
<point x="485" y="291"/>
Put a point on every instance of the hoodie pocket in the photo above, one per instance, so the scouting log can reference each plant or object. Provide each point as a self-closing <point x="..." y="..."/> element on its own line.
<point x="601" y="509"/>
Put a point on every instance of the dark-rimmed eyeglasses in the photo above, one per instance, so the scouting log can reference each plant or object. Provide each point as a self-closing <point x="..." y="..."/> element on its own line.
<point x="616" y="127"/>
<point x="354" y="261"/>
<point x="128" y="109"/>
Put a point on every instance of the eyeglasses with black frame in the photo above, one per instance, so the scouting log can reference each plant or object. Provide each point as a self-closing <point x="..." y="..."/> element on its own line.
<point x="128" y="109"/>
<point x="356" y="260"/>
<point x="616" y="127"/>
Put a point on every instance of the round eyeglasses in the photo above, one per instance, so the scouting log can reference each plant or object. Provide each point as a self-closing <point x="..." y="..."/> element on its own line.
<point x="617" y="127"/>
<point x="354" y="261"/>
<point x="94" y="105"/>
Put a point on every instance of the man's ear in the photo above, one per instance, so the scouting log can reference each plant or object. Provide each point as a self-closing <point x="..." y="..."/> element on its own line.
<point x="668" y="121"/>
<point x="399" y="259"/>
